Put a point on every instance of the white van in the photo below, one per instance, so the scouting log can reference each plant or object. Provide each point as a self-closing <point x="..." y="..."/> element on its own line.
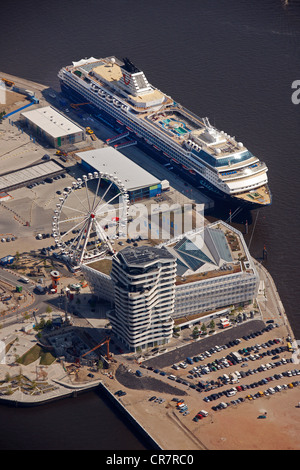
<point x="172" y="377"/>
<point x="204" y="413"/>
<point x="226" y="377"/>
<point x="24" y="279"/>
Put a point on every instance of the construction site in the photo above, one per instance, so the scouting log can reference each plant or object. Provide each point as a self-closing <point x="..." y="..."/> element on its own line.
<point x="12" y="299"/>
<point x="46" y="359"/>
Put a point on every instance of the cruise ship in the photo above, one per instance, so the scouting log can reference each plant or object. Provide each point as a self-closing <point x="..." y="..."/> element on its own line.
<point x="121" y="95"/>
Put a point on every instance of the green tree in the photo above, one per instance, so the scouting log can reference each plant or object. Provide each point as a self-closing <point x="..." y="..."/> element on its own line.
<point x="195" y="332"/>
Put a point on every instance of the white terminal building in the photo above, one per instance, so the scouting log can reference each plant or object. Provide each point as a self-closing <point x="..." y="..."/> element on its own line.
<point x="50" y="125"/>
<point x="214" y="270"/>
<point x="139" y="183"/>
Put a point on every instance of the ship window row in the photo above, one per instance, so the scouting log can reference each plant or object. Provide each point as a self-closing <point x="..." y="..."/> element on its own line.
<point x="245" y="188"/>
<point x="212" y="161"/>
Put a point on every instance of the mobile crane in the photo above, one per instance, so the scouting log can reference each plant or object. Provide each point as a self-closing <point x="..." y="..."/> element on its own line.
<point x="105" y="341"/>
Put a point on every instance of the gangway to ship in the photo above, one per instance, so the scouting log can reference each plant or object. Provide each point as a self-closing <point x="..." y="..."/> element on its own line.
<point x="125" y="144"/>
<point x="117" y="137"/>
<point x="76" y="105"/>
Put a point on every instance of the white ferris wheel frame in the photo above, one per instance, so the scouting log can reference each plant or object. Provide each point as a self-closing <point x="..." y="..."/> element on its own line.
<point x="87" y="212"/>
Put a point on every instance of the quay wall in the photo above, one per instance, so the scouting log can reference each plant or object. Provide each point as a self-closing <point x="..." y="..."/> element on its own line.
<point x="129" y="417"/>
<point x="28" y="401"/>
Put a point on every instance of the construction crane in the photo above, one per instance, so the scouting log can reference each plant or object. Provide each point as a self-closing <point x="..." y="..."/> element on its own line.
<point x="76" y="105"/>
<point x="105" y="341"/>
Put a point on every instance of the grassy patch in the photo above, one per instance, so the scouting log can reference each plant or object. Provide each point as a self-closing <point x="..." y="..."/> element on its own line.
<point x="35" y="353"/>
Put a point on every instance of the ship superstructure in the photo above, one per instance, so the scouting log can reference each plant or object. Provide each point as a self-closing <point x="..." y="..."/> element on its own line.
<point x="215" y="159"/>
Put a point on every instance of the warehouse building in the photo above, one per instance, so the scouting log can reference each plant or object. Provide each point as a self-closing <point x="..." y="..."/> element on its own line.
<point x="53" y="127"/>
<point x="138" y="182"/>
<point x="31" y="174"/>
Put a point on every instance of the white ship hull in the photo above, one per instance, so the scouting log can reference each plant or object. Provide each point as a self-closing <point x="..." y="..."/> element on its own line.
<point x="243" y="180"/>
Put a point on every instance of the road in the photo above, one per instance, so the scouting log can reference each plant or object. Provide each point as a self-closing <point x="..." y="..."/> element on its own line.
<point x="269" y="302"/>
<point x="37" y="303"/>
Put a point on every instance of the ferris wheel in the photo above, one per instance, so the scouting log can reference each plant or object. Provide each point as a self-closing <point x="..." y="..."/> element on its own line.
<point x="89" y="215"/>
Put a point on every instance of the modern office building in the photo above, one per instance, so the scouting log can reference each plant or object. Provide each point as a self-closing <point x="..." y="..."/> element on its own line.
<point x="50" y="125"/>
<point x="144" y="294"/>
<point x="199" y="272"/>
<point x="214" y="270"/>
<point x="98" y="276"/>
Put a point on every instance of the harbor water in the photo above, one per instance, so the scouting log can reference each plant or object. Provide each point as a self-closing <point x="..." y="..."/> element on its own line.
<point x="234" y="62"/>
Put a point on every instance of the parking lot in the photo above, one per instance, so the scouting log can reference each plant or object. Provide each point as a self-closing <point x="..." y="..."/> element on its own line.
<point x="247" y="364"/>
<point x="239" y="386"/>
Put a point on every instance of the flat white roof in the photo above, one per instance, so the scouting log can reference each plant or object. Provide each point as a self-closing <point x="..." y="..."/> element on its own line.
<point x="27" y="174"/>
<point x="51" y="121"/>
<point x="109" y="160"/>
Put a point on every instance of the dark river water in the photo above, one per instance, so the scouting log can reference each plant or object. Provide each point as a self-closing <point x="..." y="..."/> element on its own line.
<point x="233" y="61"/>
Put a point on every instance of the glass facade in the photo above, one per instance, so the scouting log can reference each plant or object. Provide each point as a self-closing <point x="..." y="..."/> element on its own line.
<point x="218" y="162"/>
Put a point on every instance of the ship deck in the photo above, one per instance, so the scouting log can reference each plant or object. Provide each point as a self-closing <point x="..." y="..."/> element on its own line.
<point x="170" y="122"/>
<point x="173" y="120"/>
<point x="260" y="196"/>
